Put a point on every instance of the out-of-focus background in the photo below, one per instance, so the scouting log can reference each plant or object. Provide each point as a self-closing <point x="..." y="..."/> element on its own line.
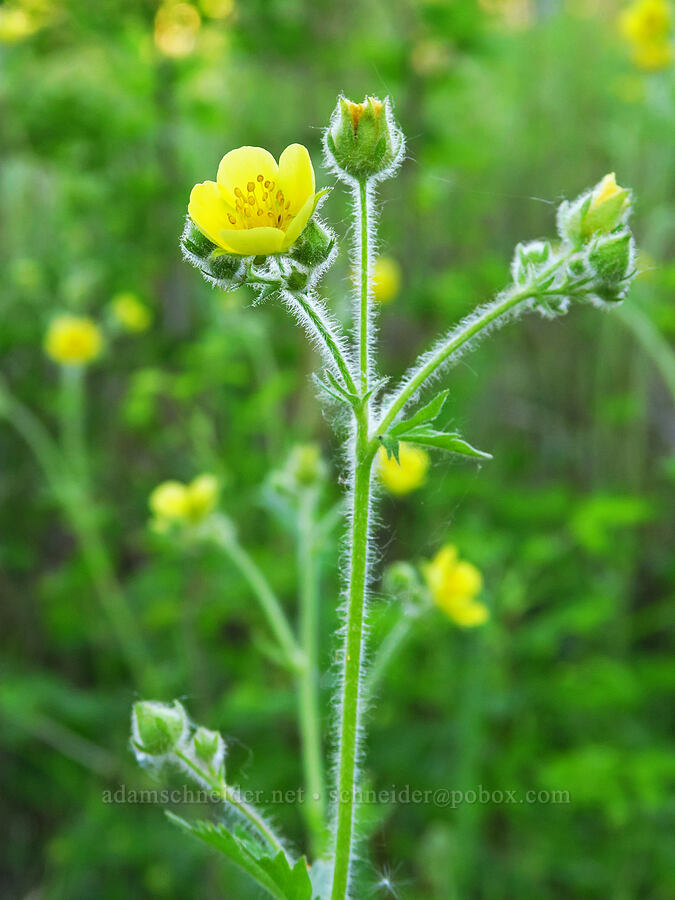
<point x="109" y="112"/>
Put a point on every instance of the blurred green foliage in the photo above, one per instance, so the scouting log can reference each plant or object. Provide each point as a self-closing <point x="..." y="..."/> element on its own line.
<point x="507" y="107"/>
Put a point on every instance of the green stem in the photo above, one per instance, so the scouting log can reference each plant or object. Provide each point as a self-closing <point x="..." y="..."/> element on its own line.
<point x="72" y="421"/>
<point x="324" y="331"/>
<point x="269" y="603"/>
<point x="353" y="663"/>
<point x="457" y="339"/>
<point x="353" y="658"/>
<point x="471" y="328"/>
<point x="365" y="312"/>
<point x="388" y="650"/>
<point x="77" y="507"/>
<point x="231" y="796"/>
<point x="653" y="342"/>
<point x="308" y="677"/>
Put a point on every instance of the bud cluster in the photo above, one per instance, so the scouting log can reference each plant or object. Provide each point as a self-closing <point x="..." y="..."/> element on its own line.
<point x="162" y="732"/>
<point x="595" y="259"/>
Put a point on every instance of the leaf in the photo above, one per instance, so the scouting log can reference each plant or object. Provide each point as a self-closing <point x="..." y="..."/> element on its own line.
<point x="390" y="444"/>
<point x="427" y="437"/>
<point x="274" y="873"/>
<point x="426" y="414"/>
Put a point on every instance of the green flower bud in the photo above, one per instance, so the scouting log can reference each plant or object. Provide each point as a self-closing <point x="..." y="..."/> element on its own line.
<point x="297" y="279"/>
<point x="194" y="243"/>
<point x="599" y="211"/>
<point x="223" y="266"/>
<point x="314" y="245"/>
<point x="209" y="747"/>
<point x="609" y="207"/>
<point x="157" y="728"/>
<point x="528" y="258"/>
<point x="611" y="258"/>
<point x="306" y="465"/>
<point x="363" y="140"/>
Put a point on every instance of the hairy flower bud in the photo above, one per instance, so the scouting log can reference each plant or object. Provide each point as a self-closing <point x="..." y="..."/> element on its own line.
<point x="611" y="257"/>
<point x="363" y="139"/>
<point x="157" y="728"/>
<point x="314" y="246"/>
<point x="209" y="747"/>
<point x="528" y="258"/>
<point x="599" y="211"/>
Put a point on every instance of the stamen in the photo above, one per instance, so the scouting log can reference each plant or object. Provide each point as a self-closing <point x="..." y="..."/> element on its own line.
<point x="250" y="187"/>
<point x="232" y="219"/>
<point x="259" y="178"/>
<point x="260" y="212"/>
<point x="238" y="193"/>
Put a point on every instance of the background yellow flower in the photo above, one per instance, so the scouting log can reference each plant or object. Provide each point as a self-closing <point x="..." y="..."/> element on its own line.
<point x="406" y="475"/>
<point x="454" y="585"/>
<point x="73" y="340"/>
<point x="130" y="312"/>
<point x="176" y="502"/>
<point x="386" y="279"/>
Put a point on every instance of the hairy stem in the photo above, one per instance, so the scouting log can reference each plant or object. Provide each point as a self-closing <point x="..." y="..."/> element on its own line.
<point x="352" y="676"/>
<point x="231" y="795"/>
<point x="324" y="330"/>
<point x="364" y="310"/>
<point x="465" y="331"/>
<point x="308" y="678"/>
<point x="354" y="645"/>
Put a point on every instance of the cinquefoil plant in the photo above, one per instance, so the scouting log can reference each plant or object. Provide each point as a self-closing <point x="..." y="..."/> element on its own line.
<point x="257" y="225"/>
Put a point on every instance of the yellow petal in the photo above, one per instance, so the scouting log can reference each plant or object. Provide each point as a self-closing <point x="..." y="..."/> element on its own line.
<point x="468" y="615"/>
<point x="296" y="176"/>
<point x="242" y="165"/>
<point x="296" y="227"/>
<point x="252" y="241"/>
<point x="208" y="210"/>
<point x="465" y="580"/>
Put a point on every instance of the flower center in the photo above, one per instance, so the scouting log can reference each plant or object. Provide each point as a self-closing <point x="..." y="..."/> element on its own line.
<point x="260" y="204"/>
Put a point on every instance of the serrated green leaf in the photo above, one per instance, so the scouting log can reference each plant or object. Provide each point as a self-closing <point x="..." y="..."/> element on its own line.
<point x="279" y="878"/>
<point x="390" y="444"/>
<point x="427" y="413"/>
<point x="453" y="443"/>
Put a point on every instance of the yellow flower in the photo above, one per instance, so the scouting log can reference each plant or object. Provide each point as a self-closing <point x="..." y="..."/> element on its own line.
<point x="175" y="502"/>
<point x="15" y="25"/>
<point x="73" y="340"/>
<point x="176" y="28"/>
<point x="646" y="20"/>
<point x="386" y="279"/>
<point x="646" y="25"/>
<point x="130" y="312"/>
<point x="256" y="207"/>
<point x="653" y="56"/>
<point x="406" y="475"/>
<point x="217" y="9"/>
<point x="454" y="585"/>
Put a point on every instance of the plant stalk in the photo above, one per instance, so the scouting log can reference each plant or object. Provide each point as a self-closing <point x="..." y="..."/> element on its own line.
<point x="353" y="659"/>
